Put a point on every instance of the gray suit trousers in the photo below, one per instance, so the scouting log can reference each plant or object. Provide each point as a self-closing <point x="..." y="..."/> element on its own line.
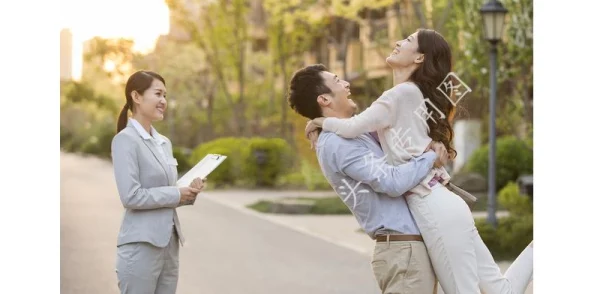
<point x="143" y="268"/>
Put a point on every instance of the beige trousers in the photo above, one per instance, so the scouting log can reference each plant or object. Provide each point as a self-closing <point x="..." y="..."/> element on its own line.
<point x="403" y="267"/>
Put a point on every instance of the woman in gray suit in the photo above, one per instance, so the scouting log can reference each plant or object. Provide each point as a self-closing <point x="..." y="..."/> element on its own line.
<point x="146" y="174"/>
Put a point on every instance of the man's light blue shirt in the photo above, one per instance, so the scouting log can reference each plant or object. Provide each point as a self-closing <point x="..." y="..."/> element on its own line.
<point x="370" y="187"/>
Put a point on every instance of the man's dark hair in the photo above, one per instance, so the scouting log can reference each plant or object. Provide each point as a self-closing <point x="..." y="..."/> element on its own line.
<point x="306" y="85"/>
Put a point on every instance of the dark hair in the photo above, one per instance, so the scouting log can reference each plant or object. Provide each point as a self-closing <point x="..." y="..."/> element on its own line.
<point x="428" y="77"/>
<point x="139" y="81"/>
<point x="306" y="85"/>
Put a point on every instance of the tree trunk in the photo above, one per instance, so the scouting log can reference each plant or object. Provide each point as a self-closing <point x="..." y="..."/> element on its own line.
<point x="344" y="45"/>
<point x="210" y="111"/>
<point x="444" y="16"/>
<point x="239" y="34"/>
<point x="399" y="18"/>
<point x="216" y="65"/>
<point x="283" y="67"/>
<point x="417" y="5"/>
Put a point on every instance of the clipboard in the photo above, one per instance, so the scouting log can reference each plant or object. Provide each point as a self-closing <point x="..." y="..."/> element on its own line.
<point x="202" y="169"/>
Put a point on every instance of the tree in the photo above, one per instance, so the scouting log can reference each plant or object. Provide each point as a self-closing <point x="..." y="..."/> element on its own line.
<point x="191" y="90"/>
<point x="292" y="27"/>
<point x="220" y="32"/>
<point x="464" y="31"/>
<point x="108" y="64"/>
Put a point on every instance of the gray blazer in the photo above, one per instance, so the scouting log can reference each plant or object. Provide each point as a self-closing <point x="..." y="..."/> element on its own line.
<point x="146" y="184"/>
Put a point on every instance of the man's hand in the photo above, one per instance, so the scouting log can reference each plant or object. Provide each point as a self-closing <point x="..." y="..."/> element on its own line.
<point x="188" y="195"/>
<point x="441" y="151"/>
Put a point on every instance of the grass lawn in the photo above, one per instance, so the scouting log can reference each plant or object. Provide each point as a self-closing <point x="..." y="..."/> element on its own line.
<point x="325" y="205"/>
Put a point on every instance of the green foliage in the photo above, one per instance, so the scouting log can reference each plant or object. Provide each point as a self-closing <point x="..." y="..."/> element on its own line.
<point x="87" y="119"/>
<point x="183" y="160"/>
<point x="332" y="205"/>
<point x="241" y="166"/>
<point x="275" y="161"/>
<point x="313" y="177"/>
<point x="294" y="180"/>
<point x="464" y="31"/>
<point x="513" y="233"/>
<point x="309" y="177"/>
<point x="510" y="237"/>
<point x="230" y="171"/>
<point x="513" y="157"/>
<point x="517" y="204"/>
<point x="99" y="142"/>
<point x="261" y="206"/>
<point x="329" y="205"/>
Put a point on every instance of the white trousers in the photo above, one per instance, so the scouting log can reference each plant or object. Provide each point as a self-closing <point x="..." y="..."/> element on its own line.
<point x="462" y="262"/>
<point x="145" y="269"/>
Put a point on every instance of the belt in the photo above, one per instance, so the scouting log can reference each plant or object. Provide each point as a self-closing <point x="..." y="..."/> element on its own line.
<point x="390" y="238"/>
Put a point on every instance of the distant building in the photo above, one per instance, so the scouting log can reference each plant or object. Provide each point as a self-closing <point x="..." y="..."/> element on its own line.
<point x="65" y="54"/>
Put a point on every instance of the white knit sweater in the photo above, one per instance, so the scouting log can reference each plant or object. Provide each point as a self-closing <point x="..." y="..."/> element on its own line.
<point x="399" y="117"/>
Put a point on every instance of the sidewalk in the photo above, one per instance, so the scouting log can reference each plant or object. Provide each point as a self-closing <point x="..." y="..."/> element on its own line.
<point x="342" y="230"/>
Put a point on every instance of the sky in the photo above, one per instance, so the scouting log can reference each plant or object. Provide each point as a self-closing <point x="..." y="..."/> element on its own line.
<point x="141" y="20"/>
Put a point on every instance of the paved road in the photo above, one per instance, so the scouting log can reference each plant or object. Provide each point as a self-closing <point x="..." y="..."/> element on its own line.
<point x="226" y="251"/>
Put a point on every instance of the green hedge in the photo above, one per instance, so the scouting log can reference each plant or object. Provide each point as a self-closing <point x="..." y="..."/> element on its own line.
<point x="517" y="204"/>
<point x="331" y="205"/>
<point x="313" y="177"/>
<point x="229" y="172"/>
<point x="276" y="153"/>
<point x="308" y="176"/>
<point x="240" y="168"/>
<point x="513" y="233"/>
<point x="513" y="159"/>
<point x="99" y="143"/>
<point x="183" y="160"/>
<point x="93" y="138"/>
<point x="511" y="236"/>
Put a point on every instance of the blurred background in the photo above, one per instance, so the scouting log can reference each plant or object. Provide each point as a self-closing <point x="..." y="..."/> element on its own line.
<point x="227" y="64"/>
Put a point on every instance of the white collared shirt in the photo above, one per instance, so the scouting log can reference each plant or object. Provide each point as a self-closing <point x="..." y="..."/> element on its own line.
<point x="155" y="139"/>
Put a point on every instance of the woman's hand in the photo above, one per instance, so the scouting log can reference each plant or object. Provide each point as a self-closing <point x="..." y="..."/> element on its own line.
<point x="312" y="131"/>
<point x="313" y="125"/>
<point x="441" y="151"/>
<point x="313" y="139"/>
<point x="188" y="195"/>
<point x="199" y="184"/>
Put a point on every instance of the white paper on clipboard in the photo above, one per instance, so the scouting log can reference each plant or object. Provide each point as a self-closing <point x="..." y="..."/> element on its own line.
<point x="201" y="170"/>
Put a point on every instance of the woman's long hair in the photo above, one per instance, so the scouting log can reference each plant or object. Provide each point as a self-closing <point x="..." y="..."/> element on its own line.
<point x="428" y="77"/>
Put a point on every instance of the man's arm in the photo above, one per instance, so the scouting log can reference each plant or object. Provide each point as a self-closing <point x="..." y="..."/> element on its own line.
<point x="361" y="164"/>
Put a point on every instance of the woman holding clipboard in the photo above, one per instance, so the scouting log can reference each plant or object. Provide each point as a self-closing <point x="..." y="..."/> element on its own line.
<point x="146" y="174"/>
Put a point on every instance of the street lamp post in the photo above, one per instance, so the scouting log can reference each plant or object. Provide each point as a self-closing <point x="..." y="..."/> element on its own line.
<point x="493" y="14"/>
